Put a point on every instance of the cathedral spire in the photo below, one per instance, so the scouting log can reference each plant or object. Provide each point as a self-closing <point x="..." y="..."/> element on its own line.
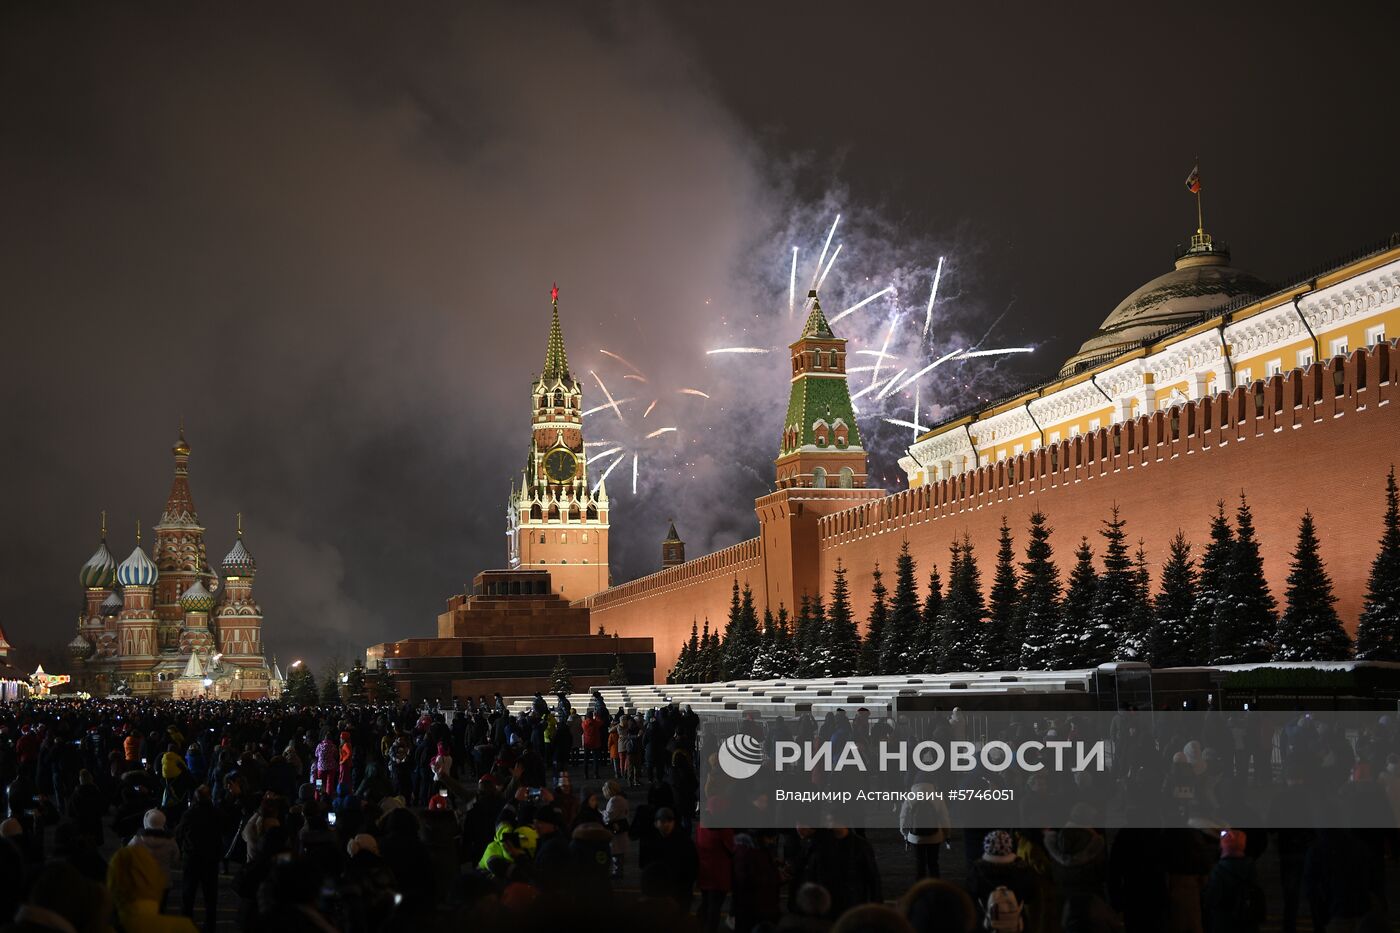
<point x="179" y="506"/>
<point x="556" y="361"/>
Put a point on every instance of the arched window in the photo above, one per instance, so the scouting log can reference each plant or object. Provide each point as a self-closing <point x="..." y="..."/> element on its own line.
<point x="541" y="537"/>
<point x="585" y="537"/>
<point x="558" y="399"/>
<point x="834" y="363"/>
<point x="536" y="513"/>
<point x="848" y="478"/>
<point x="563" y="537"/>
<point x="554" y="513"/>
<point x="819" y="477"/>
<point x="592" y="513"/>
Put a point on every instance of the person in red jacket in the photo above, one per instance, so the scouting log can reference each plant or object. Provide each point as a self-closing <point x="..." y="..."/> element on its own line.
<point x="594" y="743"/>
<point x="715" y="848"/>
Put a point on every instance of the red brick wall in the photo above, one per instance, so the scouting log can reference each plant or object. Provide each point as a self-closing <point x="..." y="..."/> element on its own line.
<point x="1328" y="454"/>
<point x="1308" y="448"/>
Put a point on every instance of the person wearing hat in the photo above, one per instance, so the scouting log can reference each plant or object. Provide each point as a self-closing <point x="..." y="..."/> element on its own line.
<point x="551" y="849"/>
<point x="137" y="885"/>
<point x="672" y="850"/>
<point x="367" y="887"/>
<point x="159" y="841"/>
<point x="1233" y="901"/>
<point x="999" y="867"/>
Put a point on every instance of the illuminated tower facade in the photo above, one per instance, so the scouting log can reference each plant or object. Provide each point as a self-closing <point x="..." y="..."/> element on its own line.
<point x="137" y="646"/>
<point x="179" y="551"/>
<point x="555" y="521"/>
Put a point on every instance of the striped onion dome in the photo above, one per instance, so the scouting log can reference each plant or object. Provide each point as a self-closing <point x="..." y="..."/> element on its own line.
<point x="137" y="569"/>
<point x="112" y="604"/>
<point x="80" y="648"/>
<point x="197" y="598"/>
<point x="238" y="562"/>
<point x="100" y="569"/>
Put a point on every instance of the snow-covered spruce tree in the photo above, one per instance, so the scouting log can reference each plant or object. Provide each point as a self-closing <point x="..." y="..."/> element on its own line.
<point x="741" y="636"/>
<point x="617" y="677"/>
<point x="964" y="613"/>
<point x="561" y="679"/>
<point x="1142" y="600"/>
<point x="763" y="660"/>
<point x="684" y="671"/>
<point x="875" y="624"/>
<point x="802" y="638"/>
<point x="929" y="638"/>
<point x="1074" y="644"/>
<point x="1172" y="641"/>
<point x="1210" y="583"/>
<point x="842" y="636"/>
<point x="784" y="654"/>
<point x="1112" y="625"/>
<point x="1245" y="616"/>
<point x="818" y="661"/>
<point x="1378" y="634"/>
<point x="1003" y="627"/>
<point x="1310" y="629"/>
<point x="903" y="623"/>
<point x="1038" y="606"/>
<point x="711" y="659"/>
<point x="355" y="690"/>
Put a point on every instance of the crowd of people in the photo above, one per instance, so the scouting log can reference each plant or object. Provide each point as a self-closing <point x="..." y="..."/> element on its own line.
<point x="140" y="816"/>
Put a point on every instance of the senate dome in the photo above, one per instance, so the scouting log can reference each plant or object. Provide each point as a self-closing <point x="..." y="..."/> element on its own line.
<point x="1202" y="281"/>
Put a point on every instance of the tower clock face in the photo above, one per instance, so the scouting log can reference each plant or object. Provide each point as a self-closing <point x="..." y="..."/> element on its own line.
<point x="560" y="464"/>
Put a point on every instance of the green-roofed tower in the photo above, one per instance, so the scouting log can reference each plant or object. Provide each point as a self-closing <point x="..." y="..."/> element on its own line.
<point x="821" y="442"/>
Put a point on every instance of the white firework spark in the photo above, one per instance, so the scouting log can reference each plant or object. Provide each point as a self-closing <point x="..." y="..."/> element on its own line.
<point x="608" y="404"/>
<point x="928" y="313"/>
<point x="822" y="258"/>
<point x="973" y="354"/>
<point x="931" y="367"/>
<point x="888" y="289"/>
<point x="611" y="400"/>
<point x="792" y="284"/>
<point x="650" y="407"/>
<point x="828" y="266"/>
<point x="736" y="350"/>
<point x="875" y="377"/>
<point x="695" y="392"/>
<point x="660" y="431"/>
<point x="606" y="453"/>
<point x="619" y="459"/>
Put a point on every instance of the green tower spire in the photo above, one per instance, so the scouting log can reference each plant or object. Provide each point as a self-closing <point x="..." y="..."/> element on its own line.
<point x="819" y="390"/>
<point x="556" y="361"/>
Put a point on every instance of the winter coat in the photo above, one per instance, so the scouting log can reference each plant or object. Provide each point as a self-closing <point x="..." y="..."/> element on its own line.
<point x="200" y="835"/>
<point x="677" y="857"/>
<point x="924" y="822"/>
<point x="757" y="884"/>
<point x="593" y="733"/>
<point x="617" y="817"/>
<point x="496" y="848"/>
<point x="590" y="852"/>
<point x="366" y="893"/>
<point x="846" y="867"/>
<point x="161" y="844"/>
<point x="715" y="848"/>
<point x="551" y="865"/>
<point x="1078" y="861"/>
<point x="984" y="877"/>
<point x="1233" y="901"/>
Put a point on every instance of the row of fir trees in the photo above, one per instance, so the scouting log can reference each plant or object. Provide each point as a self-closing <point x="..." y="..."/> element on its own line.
<point x="1213" y="610"/>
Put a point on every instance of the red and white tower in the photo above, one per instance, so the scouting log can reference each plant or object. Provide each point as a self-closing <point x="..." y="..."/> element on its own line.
<point x="555" y="522"/>
<point x="238" y="621"/>
<point x="137" y="645"/>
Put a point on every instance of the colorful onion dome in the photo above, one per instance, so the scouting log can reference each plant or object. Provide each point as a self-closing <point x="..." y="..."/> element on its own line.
<point x="238" y="562"/>
<point x="112" y="604"/>
<point x="100" y="569"/>
<point x="197" y="598"/>
<point x="137" y="569"/>
<point x="80" y="648"/>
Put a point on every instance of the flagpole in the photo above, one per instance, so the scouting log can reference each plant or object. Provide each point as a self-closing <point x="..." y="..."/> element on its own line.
<point x="1200" y="223"/>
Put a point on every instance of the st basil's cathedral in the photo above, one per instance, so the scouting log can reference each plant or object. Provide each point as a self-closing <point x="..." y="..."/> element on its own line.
<point x="162" y="624"/>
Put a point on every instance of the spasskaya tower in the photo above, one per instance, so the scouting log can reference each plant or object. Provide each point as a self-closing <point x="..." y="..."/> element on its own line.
<point x="555" y="521"/>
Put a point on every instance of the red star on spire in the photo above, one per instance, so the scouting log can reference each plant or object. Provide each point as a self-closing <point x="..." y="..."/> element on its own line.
<point x="554" y="293"/>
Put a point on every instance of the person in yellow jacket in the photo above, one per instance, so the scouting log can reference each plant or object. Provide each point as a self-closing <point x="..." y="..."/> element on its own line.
<point x="137" y="885"/>
<point x="507" y="847"/>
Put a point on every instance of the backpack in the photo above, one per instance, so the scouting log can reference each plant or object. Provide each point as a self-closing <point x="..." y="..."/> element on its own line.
<point x="1003" y="911"/>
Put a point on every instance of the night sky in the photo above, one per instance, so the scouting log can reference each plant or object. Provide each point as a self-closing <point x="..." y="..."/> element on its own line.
<point x="324" y="236"/>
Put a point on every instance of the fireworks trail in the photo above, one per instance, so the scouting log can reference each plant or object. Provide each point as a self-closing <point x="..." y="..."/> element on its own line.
<point x="611" y="400"/>
<point x="859" y="369"/>
<point x="822" y="258"/>
<point x="973" y="354"/>
<point x="735" y="350"/>
<point x="608" y="404"/>
<point x="898" y="422"/>
<point x="889" y="386"/>
<point x="875" y="377"/>
<point x="606" y="453"/>
<point x="695" y="392"/>
<point x="621" y="457"/>
<point x="880" y="353"/>
<point x="916" y="410"/>
<point x="928" y="313"/>
<point x="829" y="265"/>
<point x="660" y="431"/>
<point x="931" y="367"/>
<point x="888" y="289"/>
<point x="623" y="360"/>
<point x="634" y="474"/>
<point x="634" y="377"/>
<point x="650" y="407"/>
<point x="792" y="284"/>
<point x="870" y="388"/>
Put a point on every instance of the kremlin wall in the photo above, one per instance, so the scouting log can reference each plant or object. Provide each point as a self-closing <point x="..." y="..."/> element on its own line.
<point x="1317" y="436"/>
